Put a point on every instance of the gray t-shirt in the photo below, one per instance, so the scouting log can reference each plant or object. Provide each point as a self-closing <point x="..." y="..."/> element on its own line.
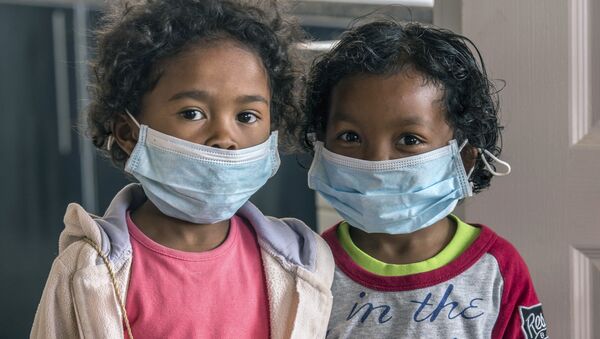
<point x="485" y="293"/>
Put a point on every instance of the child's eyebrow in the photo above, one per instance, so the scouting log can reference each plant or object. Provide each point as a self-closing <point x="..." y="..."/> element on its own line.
<point x="204" y="95"/>
<point x="413" y="120"/>
<point x="246" y="99"/>
<point x="193" y="94"/>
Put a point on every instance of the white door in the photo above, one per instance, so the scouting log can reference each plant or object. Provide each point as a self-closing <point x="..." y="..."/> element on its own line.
<point x="549" y="207"/>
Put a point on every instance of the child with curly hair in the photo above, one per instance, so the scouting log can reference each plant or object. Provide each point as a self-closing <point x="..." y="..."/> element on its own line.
<point x="404" y="124"/>
<point x="188" y="97"/>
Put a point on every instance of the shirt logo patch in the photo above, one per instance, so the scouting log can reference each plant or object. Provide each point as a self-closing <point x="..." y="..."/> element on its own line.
<point x="533" y="323"/>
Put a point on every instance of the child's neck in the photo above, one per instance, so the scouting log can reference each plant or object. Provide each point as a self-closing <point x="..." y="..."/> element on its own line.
<point x="178" y="234"/>
<point x="405" y="248"/>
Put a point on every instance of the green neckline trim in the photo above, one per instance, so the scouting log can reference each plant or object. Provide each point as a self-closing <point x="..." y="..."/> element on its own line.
<point x="462" y="239"/>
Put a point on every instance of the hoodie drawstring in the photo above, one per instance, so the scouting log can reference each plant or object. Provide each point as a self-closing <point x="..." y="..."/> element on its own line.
<point x="114" y="283"/>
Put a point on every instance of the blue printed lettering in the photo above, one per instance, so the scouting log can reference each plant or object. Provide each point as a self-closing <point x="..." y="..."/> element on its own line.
<point x="453" y="312"/>
<point x="369" y="308"/>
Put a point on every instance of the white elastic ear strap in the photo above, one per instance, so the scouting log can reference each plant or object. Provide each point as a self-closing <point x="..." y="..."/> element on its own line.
<point x="471" y="171"/>
<point x="111" y="138"/>
<point x="489" y="168"/>
<point x="109" y="142"/>
<point x="464" y="143"/>
<point x="132" y="118"/>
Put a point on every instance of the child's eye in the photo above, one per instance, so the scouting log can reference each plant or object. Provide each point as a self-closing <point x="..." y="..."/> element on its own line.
<point x="349" y="137"/>
<point x="247" y="117"/>
<point x="192" y="114"/>
<point x="409" y="140"/>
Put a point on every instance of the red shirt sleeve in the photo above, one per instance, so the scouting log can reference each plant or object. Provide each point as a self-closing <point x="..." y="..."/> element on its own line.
<point x="520" y="315"/>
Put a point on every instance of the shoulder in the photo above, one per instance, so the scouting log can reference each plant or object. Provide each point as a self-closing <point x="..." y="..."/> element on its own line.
<point x="519" y="301"/>
<point x="81" y="241"/>
<point x="325" y="264"/>
<point x="79" y="224"/>
<point x="291" y="242"/>
<point x="304" y="247"/>
<point x="509" y="259"/>
<point x="74" y="249"/>
<point x="77" y="256"/>
<point x="318" y="264"/>
<point x="518" y="284"/>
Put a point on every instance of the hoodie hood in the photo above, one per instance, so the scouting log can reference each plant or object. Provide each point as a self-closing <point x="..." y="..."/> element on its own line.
<point x="287" y="238"/>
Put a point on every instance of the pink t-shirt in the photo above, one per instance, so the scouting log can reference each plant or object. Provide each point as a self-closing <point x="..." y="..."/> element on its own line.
<point x="220" y="293"/>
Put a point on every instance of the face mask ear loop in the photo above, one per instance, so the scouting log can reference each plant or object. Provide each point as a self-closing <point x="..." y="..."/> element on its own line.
<point x="470" y="172"/>
<point x="109" y="142"/>
<point x="464" y="143"/>
<point x="489" y="168"/>
<point x="111" y="139"/>
<point x="132" y="118"/>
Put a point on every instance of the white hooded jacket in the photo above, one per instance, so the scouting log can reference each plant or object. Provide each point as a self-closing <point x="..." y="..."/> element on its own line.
<point x="79" y="299"/>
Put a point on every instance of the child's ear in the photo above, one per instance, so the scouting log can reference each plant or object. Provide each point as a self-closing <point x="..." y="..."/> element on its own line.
<point x="125" y="133"/>
<point x="469" y="157"/>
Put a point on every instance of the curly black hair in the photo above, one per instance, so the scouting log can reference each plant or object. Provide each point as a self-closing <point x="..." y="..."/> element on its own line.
<point x="442" y="57"/>
<point x="136" y="36"/>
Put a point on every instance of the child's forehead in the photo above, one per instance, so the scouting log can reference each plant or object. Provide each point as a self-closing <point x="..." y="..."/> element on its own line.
<point x="395" y="88"/>
<point x="213" y="60"/>
<point x="218" y="71"/>
<point x="208" y="47"/>
<point x="404" y="98"/>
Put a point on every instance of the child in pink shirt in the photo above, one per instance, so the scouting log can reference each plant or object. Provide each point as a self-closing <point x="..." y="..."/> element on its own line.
<point x="188" y="98"/>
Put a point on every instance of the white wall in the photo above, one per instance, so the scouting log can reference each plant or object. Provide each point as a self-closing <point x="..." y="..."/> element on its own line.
<point x="549" y="207"/>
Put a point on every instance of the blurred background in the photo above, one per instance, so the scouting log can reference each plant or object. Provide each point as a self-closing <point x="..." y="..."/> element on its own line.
<point x="549" y="208"/>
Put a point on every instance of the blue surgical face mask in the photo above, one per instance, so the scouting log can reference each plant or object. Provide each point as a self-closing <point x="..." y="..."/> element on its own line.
<point x="393" y="196"/>
<point x="199" y="183"/>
